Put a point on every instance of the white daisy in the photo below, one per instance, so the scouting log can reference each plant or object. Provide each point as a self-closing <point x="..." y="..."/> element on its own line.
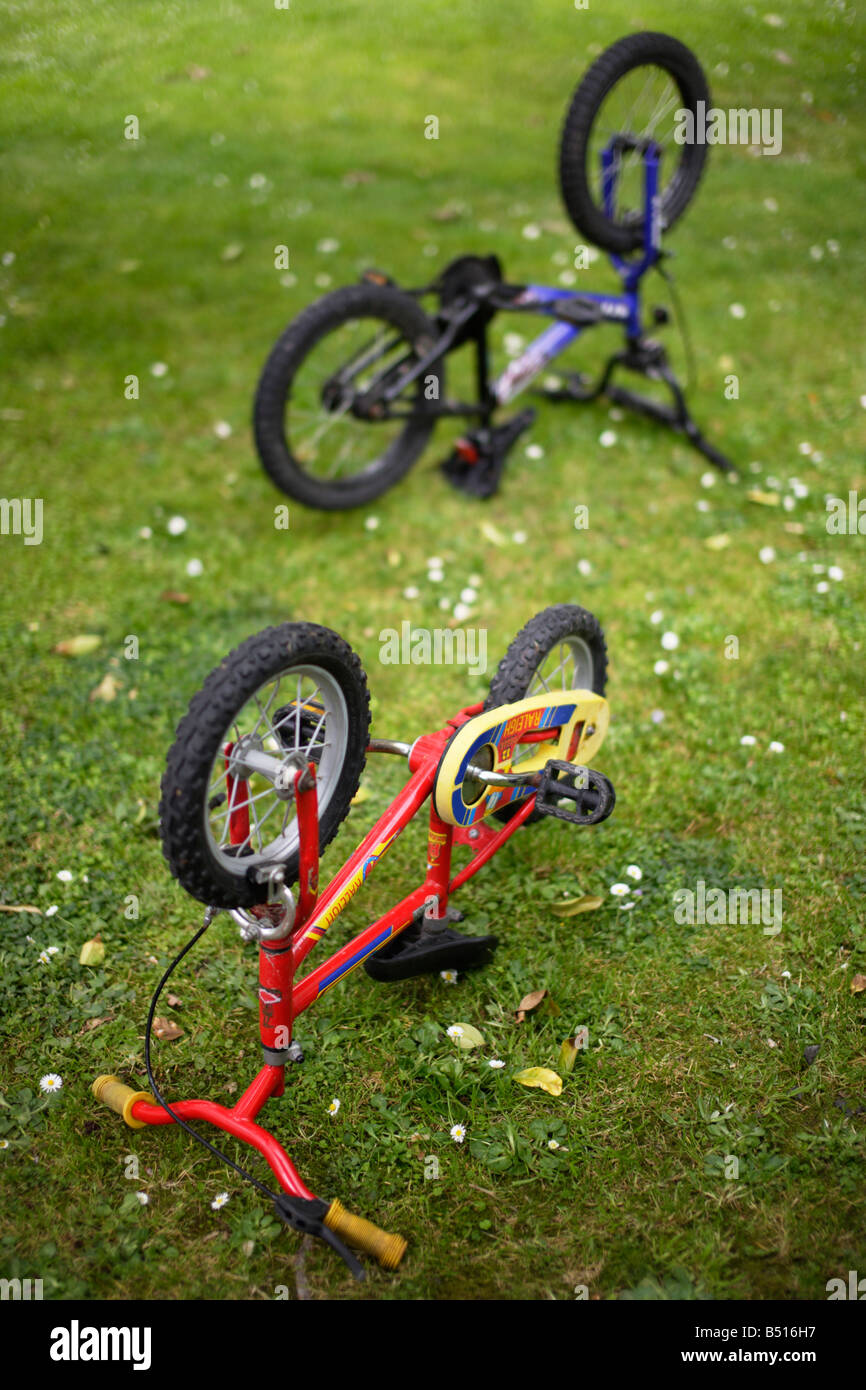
<point x="50" y="911"/>
<point x="411" y="591"/>
<point x="634" y="871"/>
<point x="458" y="1133"/>
<point x="468" y="595"/>
<point x="143" y="1198"/>
<point x="455" y="1031"/>
<point x="607" y="439"/>
<point x="657" y="716"/>
<point x="534" y="451"/>
<point x="656" y="617"/>
<point x="822" y="587"/>
<point x="194" y="568"/>
<point x="222" y="429"/>
<point x="584" y="568"/>
<point x="334" y="1107"/>
<point x="670" y="641"/>
<point x="4" y="1143"/>
<point x="776" y="747"/>
<point x="553" y="1144"/>
<point x="371" y="523"/>
<point x="766" y="555"/>
<point x="145" y="533"/>
<point x="50" y="1083"/>
<point x="219" y="1201"/>
<point x="519" y="537"/>
<point x="495" y="1063"/>
<point x="835" y="572"/>
<point x="64" y="875"/>
<point x="748" y="740"/>
<point x="44" y="957"/>
<point x="54" y="950"/>
<point x="159" y="369"/>
<point x="661" y="667"/>
<point x="176" y="525"/>
<point x="737" y="311"/>
<point x="619" y="890"/>
<point x="461" y="612"/>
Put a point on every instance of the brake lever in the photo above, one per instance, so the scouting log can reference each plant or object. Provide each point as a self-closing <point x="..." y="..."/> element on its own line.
<point x="307" y="1215"/>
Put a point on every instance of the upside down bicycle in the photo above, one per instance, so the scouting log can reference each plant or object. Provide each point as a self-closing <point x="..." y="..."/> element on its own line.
<point x="262" y="773"/>
<point x="352" y="390"/>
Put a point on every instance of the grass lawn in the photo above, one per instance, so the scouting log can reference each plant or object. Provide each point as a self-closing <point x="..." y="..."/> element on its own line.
<point x="119" y="255"/>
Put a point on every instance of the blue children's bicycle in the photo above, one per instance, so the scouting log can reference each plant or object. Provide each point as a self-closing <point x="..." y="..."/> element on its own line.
<point x="353" y="388"/>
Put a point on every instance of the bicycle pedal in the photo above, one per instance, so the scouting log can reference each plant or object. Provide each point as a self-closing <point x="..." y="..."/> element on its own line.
<point x="478" y="459"/>
<point x="590" y="792"/>
<point x="427" y="948"/>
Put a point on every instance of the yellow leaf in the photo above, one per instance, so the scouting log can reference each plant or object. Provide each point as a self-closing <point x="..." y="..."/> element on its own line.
<point x="542" y="1077"/>
<point x="92" y="952"/>
<point x="23" y="907"/>
<point x="107" y="688"/>
<point x="718" y="542"/>
<point x="83" y="645"/>
<point x="470" y="1037"/>
<point x="569" y="907"/>
<point x="491" y="533"/>
<point x="569" y="1050"/>
<point x="765" y="499"/>
<point x="858" y="984"/>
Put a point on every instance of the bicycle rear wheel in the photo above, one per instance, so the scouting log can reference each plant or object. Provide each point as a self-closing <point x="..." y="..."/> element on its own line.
<point x="310" y="437"/>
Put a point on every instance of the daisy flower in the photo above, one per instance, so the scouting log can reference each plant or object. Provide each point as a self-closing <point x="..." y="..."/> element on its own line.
<point x="176" y="525"/>
<point x="143" y="1198"/>
<point x="584" y="568"/>
<point x="619" y="890"/>
<point x="371" y="523"/>
<point x="458" y="1133"/>
<point x="776" y="747"/>
<point x="64" y="875"/>
<point x="50" y="911"/>
<point x="670" y="641"/>
<point x="194" y="568"/>
<point x="495" y="1063"/>
<point x="50" y="1083"/>
<point x="4" y="1143"/>
<point x="334" y="1107"/>
<point x="220" y="1200"/>
<point x="449" y="976"/>
<point x="455" y="1031"/>
<point x="766" y="555"/>
<point x="748" y="740"/>
<point x="44" y="957"/>
<point x="607" y="439"/>
<point x="53" y="950"/>
<point x="553" y="1144"/>
<point x="661" y="667"/>
<point x="222" y="429"/>
<point x="634" y="871"/>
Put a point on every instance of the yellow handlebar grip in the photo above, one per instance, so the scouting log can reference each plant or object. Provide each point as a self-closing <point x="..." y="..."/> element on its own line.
<point x="388" y="1249"/>
<point x="118" y="1096"/>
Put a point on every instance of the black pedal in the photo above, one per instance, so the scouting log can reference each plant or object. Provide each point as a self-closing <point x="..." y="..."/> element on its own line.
<point x="427" y="947"/>
<point x="591" y="793"/>
<point x="478" y="460"/>
<point x="583" y="313"/>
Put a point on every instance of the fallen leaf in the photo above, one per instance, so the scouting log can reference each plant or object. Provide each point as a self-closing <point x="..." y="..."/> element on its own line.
<point x="93" y="1023"/>
<point x="719" y="542"/>
<point x="858" y="984"/>
<point x="165" y="1030"/>
<point x="107" y="688"/>
<point x="451" y="212"/>
<point x="196" y="73"/>
<point x="173" y="1001"/>
<point x="491" y="533"/>
<point x="569" y="1050"/>
<point x="83" y="645"/>
<point x="172" y="596"/>
<point x="470" y="1037"/>
<point x="569" y="907"/>
<point x="92" y="952"/>
<point x="542" y="1077"/>
<point x="24" y="907"/>
<point x="764" y="499"/>
<point x="529" y="1003"/>
<point x="232" y="252"/>
<point x="356" y="176"/>
<point x="794" y="528"/>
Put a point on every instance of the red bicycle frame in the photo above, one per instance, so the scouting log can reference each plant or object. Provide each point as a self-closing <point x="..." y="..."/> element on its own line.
<point x="282" y="1000"/>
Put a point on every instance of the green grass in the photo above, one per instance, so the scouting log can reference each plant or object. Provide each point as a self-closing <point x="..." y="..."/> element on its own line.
<point x="696" y="1033"/>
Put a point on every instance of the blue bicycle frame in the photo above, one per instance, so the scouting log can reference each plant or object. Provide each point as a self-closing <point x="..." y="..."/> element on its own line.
<point x="622" y="308"/>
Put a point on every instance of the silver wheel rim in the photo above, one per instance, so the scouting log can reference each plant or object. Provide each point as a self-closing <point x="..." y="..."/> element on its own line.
<point x="300" y="710"/>
<point x="643" y="102"/>
<point x="567" y="665"/>
<point x="328" y="442"/>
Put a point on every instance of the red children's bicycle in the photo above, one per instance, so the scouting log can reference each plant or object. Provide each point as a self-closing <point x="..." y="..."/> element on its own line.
<point x="263" y="771"/>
